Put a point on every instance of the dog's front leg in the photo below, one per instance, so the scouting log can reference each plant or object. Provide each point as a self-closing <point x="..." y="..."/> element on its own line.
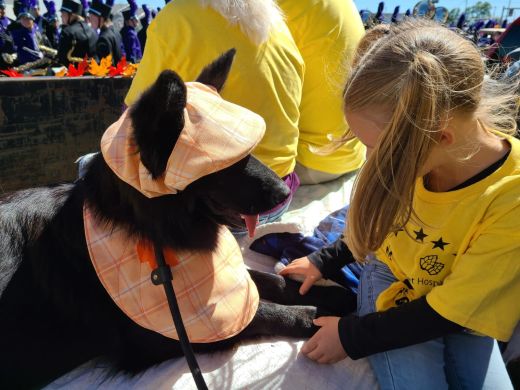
<point x="335" y="300"/>
<point x="274" y="319"/>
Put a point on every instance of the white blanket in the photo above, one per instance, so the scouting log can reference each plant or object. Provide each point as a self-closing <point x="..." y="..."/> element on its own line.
<point x="269" y="363"/>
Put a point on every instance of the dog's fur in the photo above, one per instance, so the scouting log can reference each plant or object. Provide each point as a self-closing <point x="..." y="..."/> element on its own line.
<point x="54" y="312"/>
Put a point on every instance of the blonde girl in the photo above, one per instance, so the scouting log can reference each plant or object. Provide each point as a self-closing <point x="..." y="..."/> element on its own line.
<point x="435" y="214"/>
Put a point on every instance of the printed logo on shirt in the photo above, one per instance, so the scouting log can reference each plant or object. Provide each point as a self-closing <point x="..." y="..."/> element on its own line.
<point x="401" y="296"/>
<point x="431" y="265"/>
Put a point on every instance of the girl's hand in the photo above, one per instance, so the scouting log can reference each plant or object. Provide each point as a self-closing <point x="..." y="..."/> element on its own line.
<point x="325" y="346"/>
<point x="303" y="266"/>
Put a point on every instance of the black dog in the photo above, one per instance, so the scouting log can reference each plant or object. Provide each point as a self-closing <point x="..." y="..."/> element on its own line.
<point x="54" y="312"/>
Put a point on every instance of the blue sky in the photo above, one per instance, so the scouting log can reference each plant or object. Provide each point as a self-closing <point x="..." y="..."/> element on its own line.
<point x="391" y="4"/>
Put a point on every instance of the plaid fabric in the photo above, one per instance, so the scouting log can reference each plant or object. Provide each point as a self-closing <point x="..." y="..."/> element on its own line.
<point x="216" y="295"/>
<point x="216" y="134"/>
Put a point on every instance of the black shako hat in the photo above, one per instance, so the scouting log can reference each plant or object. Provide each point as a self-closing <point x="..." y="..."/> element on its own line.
<point x="97" y="7"/>
<point x="72" y="7"/>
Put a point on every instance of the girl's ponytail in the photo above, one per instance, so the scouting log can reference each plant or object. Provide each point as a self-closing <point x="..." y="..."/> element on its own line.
<point x="384" y="189"/>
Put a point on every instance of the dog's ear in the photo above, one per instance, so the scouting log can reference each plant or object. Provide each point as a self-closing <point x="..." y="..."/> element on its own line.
<point x="216" y="73"/>
<point x="158" y="119"/>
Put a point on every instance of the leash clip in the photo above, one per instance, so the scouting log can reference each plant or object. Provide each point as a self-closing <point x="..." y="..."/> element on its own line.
<point x="162" y="274"/>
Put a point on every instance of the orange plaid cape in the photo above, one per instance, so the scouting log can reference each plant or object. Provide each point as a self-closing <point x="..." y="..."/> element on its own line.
<point x="216" y="295"/>
<point x="216" y="134"/>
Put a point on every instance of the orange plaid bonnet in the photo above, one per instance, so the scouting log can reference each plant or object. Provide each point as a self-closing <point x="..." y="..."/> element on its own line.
<point x="216" y="295"/>
<point x="216" y="134"/>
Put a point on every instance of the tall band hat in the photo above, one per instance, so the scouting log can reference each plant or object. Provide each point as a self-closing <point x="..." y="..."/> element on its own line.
<point x="22" y="9"/>
<point x="147" y="18"/>
<point x="101" y="9"/>
<point x="51" y="10"/>
<point x="72" y="7"/>
<point x="131" y="11"/>
<point x="85" y="4"/>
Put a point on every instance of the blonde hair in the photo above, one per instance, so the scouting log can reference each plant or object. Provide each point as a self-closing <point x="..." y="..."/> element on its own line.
<point x="422" y="73"/>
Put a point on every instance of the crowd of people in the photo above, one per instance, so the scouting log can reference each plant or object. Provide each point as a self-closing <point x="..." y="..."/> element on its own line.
<point x="83" y="29"/>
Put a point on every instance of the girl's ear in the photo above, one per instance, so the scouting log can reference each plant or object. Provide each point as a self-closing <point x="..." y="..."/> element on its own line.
<point x="447" y="137"/>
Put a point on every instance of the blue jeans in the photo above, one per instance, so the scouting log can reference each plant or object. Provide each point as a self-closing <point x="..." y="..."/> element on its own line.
<point x="456" y="361"/>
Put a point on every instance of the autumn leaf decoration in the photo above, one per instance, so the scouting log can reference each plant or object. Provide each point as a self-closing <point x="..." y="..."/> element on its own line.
<point x="11" y="73"/>
<point x="118" y="69"/>
<point x="61" y="73"/>
<point x="130" y="70"/>
<point x="80" y="70"/>
<point x="102" y="68"/>
<point x="123" y="69"/>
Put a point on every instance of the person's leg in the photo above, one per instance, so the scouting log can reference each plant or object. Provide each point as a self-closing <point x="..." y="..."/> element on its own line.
<point x="293" y="182"/>
<point x="512" y="348"/>
<point x="458" y="361"/>
<point x="474" y="362"/>
<point x="415" y="367"/>
<point x="312" y="176"/>
<point x="419" y="366"/>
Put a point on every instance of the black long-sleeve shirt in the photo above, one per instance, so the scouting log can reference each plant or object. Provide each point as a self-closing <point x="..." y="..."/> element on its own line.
<point x="411" y="323"/>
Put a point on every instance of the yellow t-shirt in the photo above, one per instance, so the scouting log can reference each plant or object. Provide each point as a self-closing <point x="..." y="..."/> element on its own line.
<point x="465" y="254"/>
<point x="327" y="33"/>
<point x="265" y="78"/>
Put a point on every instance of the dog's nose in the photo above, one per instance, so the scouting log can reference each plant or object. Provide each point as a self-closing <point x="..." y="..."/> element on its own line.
<point x="282" y="191"/>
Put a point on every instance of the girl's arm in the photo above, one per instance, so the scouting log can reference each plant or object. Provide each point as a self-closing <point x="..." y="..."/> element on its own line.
<point x="411" y="323"/>
<point x="321" y="263"/>
<point x="330" y="259"/>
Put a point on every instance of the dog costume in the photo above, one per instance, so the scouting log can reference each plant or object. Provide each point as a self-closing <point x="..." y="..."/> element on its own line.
<point x="216" y="295"/>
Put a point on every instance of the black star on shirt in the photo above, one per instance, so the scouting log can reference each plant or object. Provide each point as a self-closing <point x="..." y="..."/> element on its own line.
<point x="439" y="244"/>
<point x="419" y="235"/>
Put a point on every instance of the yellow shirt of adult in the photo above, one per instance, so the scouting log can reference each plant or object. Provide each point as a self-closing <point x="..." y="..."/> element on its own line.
<point x="265" y="78"/>
<point x="464" y="254"/>
<point x="327" y="33"/>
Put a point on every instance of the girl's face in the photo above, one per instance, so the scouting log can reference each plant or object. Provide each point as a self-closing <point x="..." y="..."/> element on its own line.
<point x="367" y="125"/>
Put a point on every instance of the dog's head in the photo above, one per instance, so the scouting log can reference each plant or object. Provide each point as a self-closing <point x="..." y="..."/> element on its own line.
<point x="232" y="196"/>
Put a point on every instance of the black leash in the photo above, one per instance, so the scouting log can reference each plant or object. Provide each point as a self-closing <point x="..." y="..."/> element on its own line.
<point x="163" y="275"/>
